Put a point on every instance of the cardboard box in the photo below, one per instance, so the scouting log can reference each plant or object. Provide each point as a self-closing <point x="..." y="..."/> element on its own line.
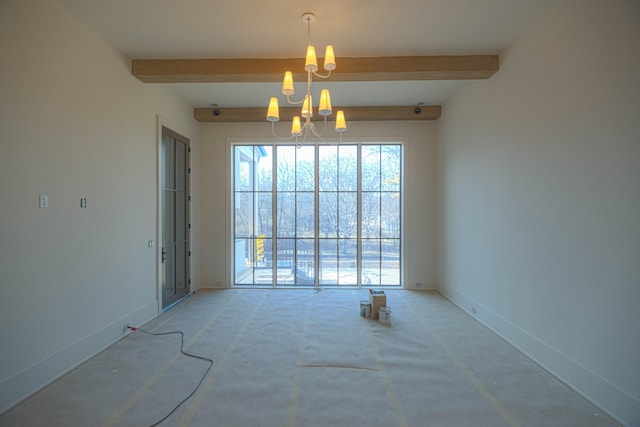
<point x="378" y="299"/>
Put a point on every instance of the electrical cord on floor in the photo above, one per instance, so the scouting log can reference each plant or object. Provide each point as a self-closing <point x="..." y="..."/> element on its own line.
<point x="133" y="328"/>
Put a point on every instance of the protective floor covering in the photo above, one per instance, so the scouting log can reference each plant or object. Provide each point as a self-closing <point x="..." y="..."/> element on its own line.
<point x="307" y="358"/>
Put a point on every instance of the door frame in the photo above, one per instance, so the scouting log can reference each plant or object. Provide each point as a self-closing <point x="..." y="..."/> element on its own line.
<point x="176" y="129"/>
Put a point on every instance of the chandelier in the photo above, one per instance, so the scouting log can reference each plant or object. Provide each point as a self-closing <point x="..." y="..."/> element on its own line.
<point x="307" y="128"/>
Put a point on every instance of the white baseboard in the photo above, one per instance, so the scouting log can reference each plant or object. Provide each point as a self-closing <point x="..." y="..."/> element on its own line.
<point x="617" y="403"/>
<point x="30" y="380"/>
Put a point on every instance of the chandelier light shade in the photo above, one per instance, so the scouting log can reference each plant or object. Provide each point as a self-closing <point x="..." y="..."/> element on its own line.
<point x="341" y="125"/>
<point x="299" y="128"/>
<point x="273" y="113"/>
<point x="311" y="63"/>
<point x="329" y="59"/>
<point x="325" y="103"/>
<point x="287" y="84"/>
<point x="296" y="130"/>
<point x="307" y="107"/>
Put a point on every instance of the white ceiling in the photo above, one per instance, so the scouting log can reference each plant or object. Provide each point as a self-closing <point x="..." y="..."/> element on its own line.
<point x="181" y="29"/>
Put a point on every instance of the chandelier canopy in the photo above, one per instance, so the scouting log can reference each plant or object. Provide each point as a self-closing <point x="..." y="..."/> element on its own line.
<point x="299" y="128"/>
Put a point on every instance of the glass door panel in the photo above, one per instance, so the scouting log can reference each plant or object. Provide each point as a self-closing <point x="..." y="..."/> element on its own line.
<point x="175" y="214"/>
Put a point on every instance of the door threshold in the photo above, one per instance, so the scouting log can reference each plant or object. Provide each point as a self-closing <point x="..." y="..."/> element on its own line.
<point x="173" y="304"/>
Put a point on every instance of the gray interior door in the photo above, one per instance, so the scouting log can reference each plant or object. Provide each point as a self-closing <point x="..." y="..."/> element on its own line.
<point x="175" y="217"/>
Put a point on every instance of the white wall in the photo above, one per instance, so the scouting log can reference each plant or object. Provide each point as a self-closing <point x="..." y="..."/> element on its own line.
<point x="419" y="187"/>
<point x="539" y="191"/>
<point x="73" y="123"/>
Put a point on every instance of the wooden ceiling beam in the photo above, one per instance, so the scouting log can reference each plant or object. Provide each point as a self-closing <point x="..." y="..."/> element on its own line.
<point x="388" y="68"/>
<point x="221" y="115"/>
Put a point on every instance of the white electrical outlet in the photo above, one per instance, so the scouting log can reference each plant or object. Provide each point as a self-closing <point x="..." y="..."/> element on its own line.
<point x="43" y="201"/>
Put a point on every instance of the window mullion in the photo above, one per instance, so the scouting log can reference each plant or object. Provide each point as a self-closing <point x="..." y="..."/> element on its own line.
<point x="359" y="216"/>
<point x="380" y="215"/>
<point x="274" y="217"/>
<point x="316" y="221"/>
<point x="294" y="250"/>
